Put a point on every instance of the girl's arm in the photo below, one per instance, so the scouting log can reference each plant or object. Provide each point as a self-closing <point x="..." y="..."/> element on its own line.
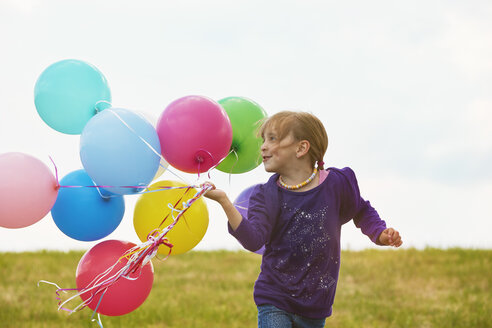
<point x="364" y="215"/>
<point x="251" y="232"/>
<point x="233" y="215"/>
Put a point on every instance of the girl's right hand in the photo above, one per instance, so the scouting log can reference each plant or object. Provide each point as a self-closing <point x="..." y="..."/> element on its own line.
<point x="230" y="210"/>
<point x="214" y="194"/>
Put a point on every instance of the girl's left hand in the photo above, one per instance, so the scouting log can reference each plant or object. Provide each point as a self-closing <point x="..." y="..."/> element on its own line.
<point x="390" y="237"/>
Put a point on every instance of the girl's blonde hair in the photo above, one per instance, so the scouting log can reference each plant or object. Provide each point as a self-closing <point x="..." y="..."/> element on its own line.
<point x="303" y="126"/>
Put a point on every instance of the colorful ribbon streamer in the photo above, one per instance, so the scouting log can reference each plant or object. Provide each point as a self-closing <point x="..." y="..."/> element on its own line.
<point x="136" y="257"/>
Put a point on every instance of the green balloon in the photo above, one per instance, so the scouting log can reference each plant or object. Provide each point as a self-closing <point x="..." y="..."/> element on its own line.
<point x="245" y="116"/>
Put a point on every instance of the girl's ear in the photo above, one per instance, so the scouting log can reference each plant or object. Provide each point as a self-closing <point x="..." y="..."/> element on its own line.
<point x="302" y="148"/>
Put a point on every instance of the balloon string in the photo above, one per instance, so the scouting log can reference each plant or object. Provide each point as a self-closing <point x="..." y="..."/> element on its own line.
<point x="98" y="321"/>
<point x="176" y="175"/>
<point x="101" y="102"/>
<point x="147" y="144"/>
<point x="213" y="167"/>
<point x="174" y="208"/>
<point x="240" y="207"/>
<point x="235" y="163"/>
<point x="159" y="188"/>
<point x="56" y="173"/>
<point x="134" y="132"/>
<point x="144" y="141"/>
<point x="199" y="159"/>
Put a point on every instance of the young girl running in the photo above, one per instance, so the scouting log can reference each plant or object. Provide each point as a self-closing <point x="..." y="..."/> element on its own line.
<point x="298" y="216"/>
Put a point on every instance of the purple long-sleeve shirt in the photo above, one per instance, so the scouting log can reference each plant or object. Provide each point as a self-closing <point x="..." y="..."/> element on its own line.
<point x="301" y="234"/>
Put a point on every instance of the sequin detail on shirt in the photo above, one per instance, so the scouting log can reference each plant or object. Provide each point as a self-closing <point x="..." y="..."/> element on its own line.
<point x="308" y="238"/>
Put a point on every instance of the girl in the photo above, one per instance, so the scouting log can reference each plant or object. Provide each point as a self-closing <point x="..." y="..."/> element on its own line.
<point x="298" y="216"/>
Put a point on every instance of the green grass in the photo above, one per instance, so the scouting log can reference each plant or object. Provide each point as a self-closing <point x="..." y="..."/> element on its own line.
<point x="377" y="288"/>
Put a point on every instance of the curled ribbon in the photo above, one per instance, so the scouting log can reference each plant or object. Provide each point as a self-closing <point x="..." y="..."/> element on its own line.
<point x="136" y="257"/>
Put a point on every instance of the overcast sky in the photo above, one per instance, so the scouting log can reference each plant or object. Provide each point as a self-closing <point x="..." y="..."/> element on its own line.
<point x="403" y="88"/>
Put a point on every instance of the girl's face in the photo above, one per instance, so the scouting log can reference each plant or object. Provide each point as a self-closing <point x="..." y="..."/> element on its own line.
<point x="277" y="154"/>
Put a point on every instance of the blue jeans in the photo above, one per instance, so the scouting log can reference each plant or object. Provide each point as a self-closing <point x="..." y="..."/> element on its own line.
<point x="270" y="316"/>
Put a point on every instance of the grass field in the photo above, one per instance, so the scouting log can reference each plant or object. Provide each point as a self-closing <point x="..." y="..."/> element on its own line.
<point x="377" y="288"/>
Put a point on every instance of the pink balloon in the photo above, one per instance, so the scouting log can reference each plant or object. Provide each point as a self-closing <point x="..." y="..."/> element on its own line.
<point x="28" y="190"/>
<point x="125" y="295"/>
<point x="195" y="134"/>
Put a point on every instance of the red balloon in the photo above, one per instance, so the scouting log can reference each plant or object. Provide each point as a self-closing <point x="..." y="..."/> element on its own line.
<point x="124" y="295"/>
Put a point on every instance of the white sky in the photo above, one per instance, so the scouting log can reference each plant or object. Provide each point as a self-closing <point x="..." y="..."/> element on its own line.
<point x="404" y="90"/>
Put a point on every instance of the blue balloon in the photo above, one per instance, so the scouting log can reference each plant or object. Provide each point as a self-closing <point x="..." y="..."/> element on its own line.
<point x="67" y="92"/>
<point x="118" y="149"/>
<point x="81" y="213"/>
<point x="241" y="203"/>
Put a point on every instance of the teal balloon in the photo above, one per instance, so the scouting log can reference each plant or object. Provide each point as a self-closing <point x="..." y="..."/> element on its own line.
<point x="81" y="213"/>
<point x="245" y="116"/>
<point x="67" y="93"/>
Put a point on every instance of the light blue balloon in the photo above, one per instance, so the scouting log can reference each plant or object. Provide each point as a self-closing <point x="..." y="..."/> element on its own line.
<point x="66" y="94"/>
<point x="81" y="213"/>
<point x="120" y="148"/>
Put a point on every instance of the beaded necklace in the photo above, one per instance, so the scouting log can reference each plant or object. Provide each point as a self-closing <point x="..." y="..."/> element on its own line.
<point x="297" y="186"/>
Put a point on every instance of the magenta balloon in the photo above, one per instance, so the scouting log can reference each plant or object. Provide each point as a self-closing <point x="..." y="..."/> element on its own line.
<point x="28" y="190"/>
<point x="195" y="134"/>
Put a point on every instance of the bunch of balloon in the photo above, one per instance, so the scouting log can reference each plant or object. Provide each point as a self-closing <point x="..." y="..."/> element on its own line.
<point x="195" y="134"/>
<point x="155" y="211"/>
<point x="241" y="203"/>
<point x="245" y="116"/>
<point x="122" y="152"/>
<point x="28" y="190"/>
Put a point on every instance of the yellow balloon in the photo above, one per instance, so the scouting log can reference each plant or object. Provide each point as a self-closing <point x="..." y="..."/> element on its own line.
<point x="152" y="211"/>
